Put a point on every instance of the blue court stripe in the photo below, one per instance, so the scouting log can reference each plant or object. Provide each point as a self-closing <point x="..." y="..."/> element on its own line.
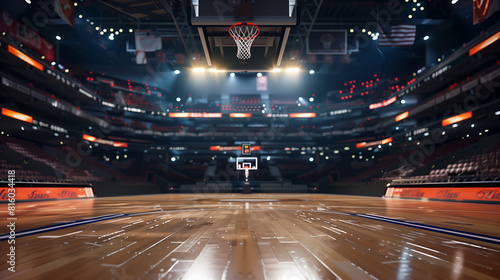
<point x="60" y="226"/>
<point x="464" y="234"/>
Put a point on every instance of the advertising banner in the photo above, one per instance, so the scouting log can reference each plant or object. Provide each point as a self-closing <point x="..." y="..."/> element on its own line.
<point x="459" y="194"/>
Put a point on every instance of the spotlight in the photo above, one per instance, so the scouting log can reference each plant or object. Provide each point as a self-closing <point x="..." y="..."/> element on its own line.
<point x="259" y="74"/>
<point x="177" y="72"/>
<point x="292" y="70"/>
<point x="311" y="72"/>
<point x="131" y="30"/>
<point x="426" y="37"/>
<point x="311" y="99"/>
<point x="173" y="159"/>
<point x="403" y="101"/>
<point x="198" y="70"/>
<point x="58" y="38"/>
<point x="178" y="99"/>
<point x="232" y="74"/>
<point x="311" y="159"/>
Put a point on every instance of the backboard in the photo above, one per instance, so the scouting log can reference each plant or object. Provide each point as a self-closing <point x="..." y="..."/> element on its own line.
<point x="229" y="12"/>
<point x="274" y="19"/>
<point x="249" y="163"/>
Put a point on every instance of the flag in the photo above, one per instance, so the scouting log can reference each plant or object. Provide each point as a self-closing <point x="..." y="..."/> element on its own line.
<point x="145" y="41"/>
<point x="398" y="35"/>
<point x="483" y="9"/>
<point x="65" y="9"/>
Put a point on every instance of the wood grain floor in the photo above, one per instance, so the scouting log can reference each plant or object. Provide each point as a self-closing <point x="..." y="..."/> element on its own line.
<point x="259" y="236"/>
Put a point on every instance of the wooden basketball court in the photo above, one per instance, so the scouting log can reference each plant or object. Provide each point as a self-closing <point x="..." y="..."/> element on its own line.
<point x="258" y="236"/>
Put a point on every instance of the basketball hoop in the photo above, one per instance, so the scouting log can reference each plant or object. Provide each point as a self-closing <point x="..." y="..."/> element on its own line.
<point x="244" y="34"/>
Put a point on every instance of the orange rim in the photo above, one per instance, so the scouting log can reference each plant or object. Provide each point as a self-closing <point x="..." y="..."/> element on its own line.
<point x="244" y="23"/>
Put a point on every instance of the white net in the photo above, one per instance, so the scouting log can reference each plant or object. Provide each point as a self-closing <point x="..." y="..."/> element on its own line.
<point x="244" y="35"/>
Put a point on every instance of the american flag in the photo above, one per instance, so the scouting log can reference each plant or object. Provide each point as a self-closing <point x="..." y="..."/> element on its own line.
<point x="398" y="35"/>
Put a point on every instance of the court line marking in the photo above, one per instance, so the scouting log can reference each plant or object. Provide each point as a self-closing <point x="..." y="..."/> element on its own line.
<point x="464" y="234"/>
<point x="61" y="226"/>
<point x="475" y="236"/>
<point x="59" y="236"/>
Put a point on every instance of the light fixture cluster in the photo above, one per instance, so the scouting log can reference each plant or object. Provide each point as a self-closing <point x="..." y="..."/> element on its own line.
<point x="110" y="32"/>
<point x="372" y="34"/>
<point x="417" y="7"/>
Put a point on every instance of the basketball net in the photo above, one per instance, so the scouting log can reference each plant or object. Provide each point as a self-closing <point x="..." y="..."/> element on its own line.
<point x="244" y="34"/>
<point x="247" y="173"/>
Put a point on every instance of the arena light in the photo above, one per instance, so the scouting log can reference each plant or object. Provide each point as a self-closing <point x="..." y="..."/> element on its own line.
<point x="457" y="118"/>
<point x="292" y="70"/>
<point x="206" y="115"/>
<point x="17" y="115"/>
<point x="402" y="116"/>
<point x="361" y="145"/>
<point x="89" y="138"/>
<point x="484" y="44"/>
<point x="240" y="115"/>
<point x="195" y="115"/>
<point x="120" y="145"/>
<point x="179" y="115"/>
<point x="383" y="103"/>
<point x="374" y="143"/>
<point x="232" y="148"/>
<point x="198" y="70"/>
<point x="177" y="72"/>
<point x="387" y="140"/>
<point x="302" y="115"/>
<point x="25" y="58"/>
